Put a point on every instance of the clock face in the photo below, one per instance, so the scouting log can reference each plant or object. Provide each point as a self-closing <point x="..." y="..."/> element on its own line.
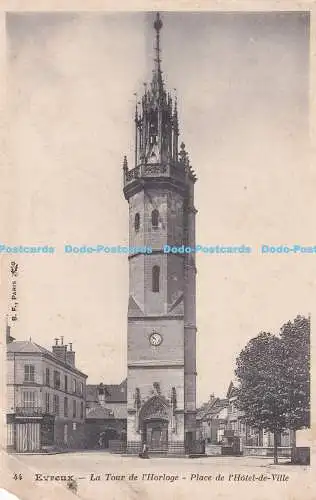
<point x="155" y="339"/>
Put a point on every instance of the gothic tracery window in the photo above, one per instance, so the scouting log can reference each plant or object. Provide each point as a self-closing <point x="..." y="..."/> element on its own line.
<point x="154" y="218"/>
<point x="155" y="278"/>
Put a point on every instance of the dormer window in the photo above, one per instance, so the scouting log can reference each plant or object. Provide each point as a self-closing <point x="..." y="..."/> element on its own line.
<point x="137" y="222"/>
<point x="154" y="218"/>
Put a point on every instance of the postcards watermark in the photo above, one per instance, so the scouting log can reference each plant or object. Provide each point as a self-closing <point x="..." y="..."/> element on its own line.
<point x="166" y="249"/>
<point x="26" y="249"/>
<point x="288" y="249"/>
<point x="107" y="249"/>
<point x="104" y="249"/>
<point x="198" y="249"/>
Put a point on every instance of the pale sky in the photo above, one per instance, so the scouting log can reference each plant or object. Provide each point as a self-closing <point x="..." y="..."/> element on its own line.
<point x="242" y="85"/>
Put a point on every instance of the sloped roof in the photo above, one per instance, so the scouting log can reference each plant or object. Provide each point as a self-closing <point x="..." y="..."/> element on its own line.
<point x="92" y="392"/>
<point x="232" y="390"/>
<point x="212" y="407"/>
<point x="208" y="405"/>
<point x="115" y="393"/>
<point x="118" y="393"/>
<point x="99" y="412"/>
<point x="134" y="308"/>
<point x="221" y="403"/>
<point x="27" y="346"/>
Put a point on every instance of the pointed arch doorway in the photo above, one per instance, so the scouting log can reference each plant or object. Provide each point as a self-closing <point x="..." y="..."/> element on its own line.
<point x="154" y="423"/>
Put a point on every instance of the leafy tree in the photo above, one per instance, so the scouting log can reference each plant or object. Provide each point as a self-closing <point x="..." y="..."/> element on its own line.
<point x="262" y="393"/>
<point x="274" y="380"/>
<point x="295" y="337"/>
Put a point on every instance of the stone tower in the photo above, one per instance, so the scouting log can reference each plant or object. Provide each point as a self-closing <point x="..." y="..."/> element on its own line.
<point x="161" y="380"/>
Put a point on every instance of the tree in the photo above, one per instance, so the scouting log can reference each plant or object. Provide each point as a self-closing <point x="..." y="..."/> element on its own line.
<point x="262" y="393"/>
<point x="295" y="337"/>
<point x="274" y="380"/>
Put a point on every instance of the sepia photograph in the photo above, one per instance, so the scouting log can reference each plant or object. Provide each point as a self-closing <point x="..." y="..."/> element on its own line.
<point x="158" y="258"/>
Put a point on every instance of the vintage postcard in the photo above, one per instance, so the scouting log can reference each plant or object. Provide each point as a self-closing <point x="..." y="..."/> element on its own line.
<point x="158" y="250"/>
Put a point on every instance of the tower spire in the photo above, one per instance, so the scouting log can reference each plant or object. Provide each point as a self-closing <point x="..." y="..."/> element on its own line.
<point x="157" y="82"/>
<point x="158" y="25"/>
<point x="156" y="118"/>
<point x="160" y="194"/>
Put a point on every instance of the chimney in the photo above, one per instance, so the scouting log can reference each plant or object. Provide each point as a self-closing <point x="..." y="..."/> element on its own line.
<point x="70" y="356"/>
<point x="60" y="351"/>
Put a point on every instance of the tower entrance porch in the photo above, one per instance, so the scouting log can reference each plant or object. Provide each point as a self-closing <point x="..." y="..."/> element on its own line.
<point x="155" y="434"/>
<point x="154" y="422"/>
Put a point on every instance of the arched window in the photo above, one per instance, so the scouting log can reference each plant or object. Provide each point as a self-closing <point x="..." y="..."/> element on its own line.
<point x="154" y="218"/>
<point x="155" y="278"/>
<point x="136" y="222"/>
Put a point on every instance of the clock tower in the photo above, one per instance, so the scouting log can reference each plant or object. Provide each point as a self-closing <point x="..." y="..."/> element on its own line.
<point x="161" y="354"/>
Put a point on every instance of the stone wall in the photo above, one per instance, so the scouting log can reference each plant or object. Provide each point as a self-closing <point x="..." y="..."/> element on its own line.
<point x="266" y="451"/>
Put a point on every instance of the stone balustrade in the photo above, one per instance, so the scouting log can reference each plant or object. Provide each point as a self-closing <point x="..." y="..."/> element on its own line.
<point x="154" y="170"/>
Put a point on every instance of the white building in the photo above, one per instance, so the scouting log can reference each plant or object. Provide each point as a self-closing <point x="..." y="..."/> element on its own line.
<point x="45" y="397"/>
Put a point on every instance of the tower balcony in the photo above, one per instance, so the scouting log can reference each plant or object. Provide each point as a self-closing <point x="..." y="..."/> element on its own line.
<point x="135" y="178"/>
<point x="153" y="170"/>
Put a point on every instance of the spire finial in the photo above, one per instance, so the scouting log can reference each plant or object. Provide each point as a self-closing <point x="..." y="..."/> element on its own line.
<point x="158" y="25"/>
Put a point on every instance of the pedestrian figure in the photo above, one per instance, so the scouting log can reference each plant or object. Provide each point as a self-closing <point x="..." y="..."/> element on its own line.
<point x="101" y="440"/>
<point x="144" y="452"/>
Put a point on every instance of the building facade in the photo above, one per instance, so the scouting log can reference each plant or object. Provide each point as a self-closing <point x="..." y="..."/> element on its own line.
<point x="45" y="396"/>
<point x="250" y="440"/>
<point x="247" y="439"/>
<point x="106" y="413"/>
<point x="161" y="380"/>
<point x="213" y="417"/>
<point x="238" y="434"/>
<point x="223" y="427"/>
